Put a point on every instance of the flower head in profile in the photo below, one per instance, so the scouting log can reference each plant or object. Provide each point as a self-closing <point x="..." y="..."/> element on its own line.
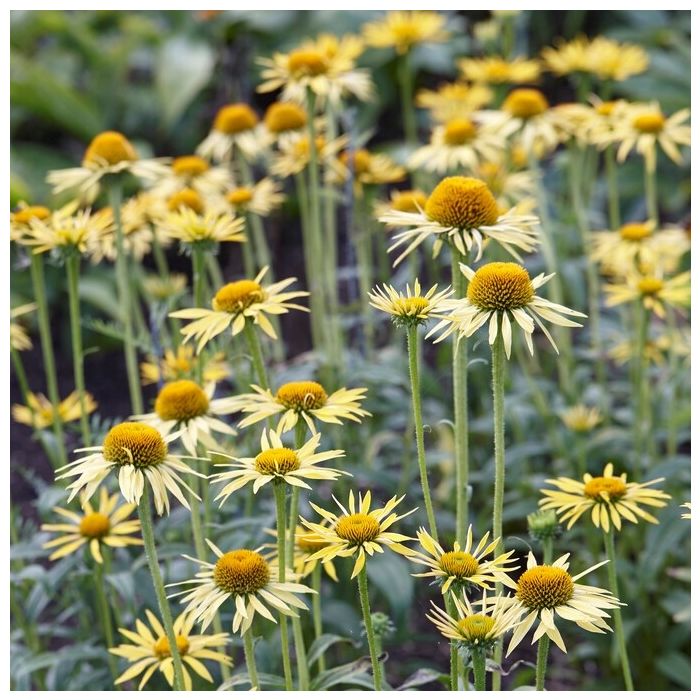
<point x="401" y="200"/>
<point x="544" y="591"/>
<point x="191" y="410"/>
<point x="237" y="303"/>
<point x="581" y="418"/>
<point x="463" y="568"/>
<point x="260" y="198"/>
<point x="501" y="294"/>
<point x="654" y="292"/>
<point x="608" y="498"/>
<point x="235" y="126"/>
<point x="401" y="30"/>
<point x="285" y="117"/>
<point x="495" y="70"/>
<point x="182" y="365"/>
<point x="358" y="532"/>
<point x="294" y="153"/>
<point x="244" y="577"/>
<point x="136" y="453"/>
<point x="105" y="526"/>
<point x="367" y="168"/>
<point x="19" y="338"/>
<point x="453" y="100"/>
<point x="192" y="172"/>
<point x="513" y="188"/>
<point x="304" y="545"/>
<point x="149" y="651"/>
<point x="463" y="212"/>
<point x="164" y="290"/>
<point x="275" y="462"/>
<point x="40" y="412"/>
<point x="301" y="400"/>
<point x="412" y="308"/>
<point x="475" y="626"/>
<point x="202" y="228"/>
<point x="109" y="153"/>
<point x="21" y="218"/>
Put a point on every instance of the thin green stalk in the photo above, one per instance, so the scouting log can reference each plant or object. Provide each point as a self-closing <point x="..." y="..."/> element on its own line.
<point x="542" y="653"/>
<point x="248" y="253"/>
<point x="300" y="648"/>
<point x="479" y="668"/>
<point x="406" y="86"/>
<point x="316" y="610"/>
<point x="650" y="190"/>
<point x="369" y="628"/>
<point x="159" y="257"/>
<point x="37" y="271"/>
<point x="613" y="190"/>
<point x="643" y="437"/>
<point x="451" y="610"/>
<point x="617" y="615"/>
<point x="149" y="545"/>
<point x="414" y="374"/>
<point x="671" y="427"/>
<point x="461" y="425"/>
<point x="105" y="616"/>
<point x="73" y="273"/>
<point x="280" y="496"/>
<point x="256" y="354"/>
<point x="124" y="288"/>
<point x="249" y="650"/>
<point x="363" y="249"/>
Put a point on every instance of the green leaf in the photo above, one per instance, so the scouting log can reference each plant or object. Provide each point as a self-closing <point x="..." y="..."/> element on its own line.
<point x="423" y="676"/>
<point x="267" y="681"/>
<point x="354" y="673"/>
<point x="324" y="642"/>
<point x="675" y="666"/>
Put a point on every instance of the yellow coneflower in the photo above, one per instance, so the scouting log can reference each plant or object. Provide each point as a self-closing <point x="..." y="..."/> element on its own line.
<point x="404" y="29"/>
<point x="495" y="70"/>
<point x="581" y="418"/>
<point x="609" y="498"/>
<point x="367" y="169"/>
<point x="136" y="452"/>
<point x="39" y="412"/>
<point x="655" y="349"/>
<point x="244" y="577"/>
<point x="237" y="302"/>
<point x="19" y="338"/>
<point x="195" y="173"/>
<point x="21" y="218"/>
<point x="463" y="568"/>
<point x="655" y="292"/>
<point x="453" y="100"/>
<point x="512" y="189"/>
<point x="293" y="155"/>
<point x="164" y="289"/>
<point x="190" y="226"/>
<point x="410" y="309"/>
<point x="500" y="294"/>
<point x="261" y="197"/>
<point x="109" y="152"/>
<point x="150" y="651"/>
<point x="182" y="364"/>
<point x="401" y="200"/>
<point x="186" y="407"/>
<point x="306" y="400"/>
<point x="235" y="126"/>
<point x="463" y="212"/>
<point x="275" y="462"/>
<point x="283" y="117"/>
<point x="304" y="544"/>
<point x="107" y="525"/>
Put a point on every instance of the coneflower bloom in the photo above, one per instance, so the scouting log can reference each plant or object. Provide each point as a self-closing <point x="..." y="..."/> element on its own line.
<point x="149" y="651"/>
<point x="304" y="544"/>
<point x="655" y="292"/>
<point x="284" y="117"/>
<point x="19" y="338"/>
<point x="260" y="197"/>
<point x="306" y="400"/>
<point x="195" y="173"/>
<point x="107" y="525"/>
<point x="191" y="226"/>
<point x="495" y="70"/>
<point x="500" y="294"/>
<point x="367" y="169"/>
<point x="608" y="498"/>
<point x="581" y="418"/>
<point x="39" y="412"/>
<point x="237" y="302"/>
<point x="22" y="217"/>
<point x="182" y="364"/>
<point x="275" y="462"/>
<point x="293" y="154"/>
<point x="453" y="100"/>
<point x="412" y="308"/>
<point x="235" y="126"/>
<point x="404" y="29"/>
<point x="401" y="200"/>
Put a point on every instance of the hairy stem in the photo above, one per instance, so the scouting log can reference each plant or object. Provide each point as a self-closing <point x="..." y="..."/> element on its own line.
<point x="369" y="628"/>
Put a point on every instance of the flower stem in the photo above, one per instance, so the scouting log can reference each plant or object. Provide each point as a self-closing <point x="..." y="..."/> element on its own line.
<point x="316" y="611"/>
<point x="617" y="615"/>
<point x="369" y="628"/>
<point x="37" y="270"/>
<point x="124" y="291"/>
<point x="414" y="373"/>
<point x="256" y="353"/>
<point x="479" y="668"/>
<point x="406" y="85"/>
<point x="461" y="426"/>
<point x="104" y="615"/>
<point x="613" y="191"/>
<point x="149" y="544"/>
<point x="650" y="190"/>
<point x="280" y="496"/>
<point x="643" y="443"/>
<point x="451" y="609"/>
<point x="542" y="652"/>
<point x="250" y="658"/>
<point x="73" y="273"/>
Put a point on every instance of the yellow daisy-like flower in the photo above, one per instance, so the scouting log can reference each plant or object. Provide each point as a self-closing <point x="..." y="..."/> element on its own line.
<point x="293" y="155"/>
<point x="609" y="498"/>
<point x="306" y="400"/>
<point x="495" y="70"/>
<point x="276" y="462"/>
<point x="544" y="591"/>
<point x="453" y="100"/>
<point x="186" y="407"/>
<point x="463" y="212"/>
<point x="581" y="418"/>
<point x="235" y="126"/>
<point x="190" y="226"/>
<point x="655" y="292"/>
<point x="404" y="29"/>
<point x="168" y="289"/>
<point x="686" y="516"/>
<point x="410" y="309"/>
<point x="463" y="568"/>
<point x="325" y="66"/>
<point x="182" y="365"/>
<point x="108" y="526"/>
<point x="244" y="577"/>
<point x="401" y="200"/>
<point x="150" y="651"/>
<point x="195" y="173"/>
<point x="460" y="143"/>
<point x="283" y="117"/>
<point x="237" y="302"/>
<point x="500" y="294"/>
<point x="568" y="57"/>
<point x="367" y="169"/>
<point x="510" y="188"/>
<point x="260" y="198"/>
<point x="19" y="338"/>
<point x="304" y="545"/>
<point x="358" y="532"/>
<point x="109" y="153"/>
<point x="475" y="626"/>
<point x="22" y="217"/>
<point x="39" y="412"/>
<point x="136" y="452"/>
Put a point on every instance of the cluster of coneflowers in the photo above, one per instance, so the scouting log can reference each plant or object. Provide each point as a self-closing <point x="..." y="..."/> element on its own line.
<point x="477" y="203"/>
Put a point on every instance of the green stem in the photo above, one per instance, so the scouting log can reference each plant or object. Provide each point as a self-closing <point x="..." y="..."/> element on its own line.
<point x="369" y="628"/>
<point x="613" y="190"/>
<point x="248" y="254"/>
<point x="671" y="428"/>
<point x="159" y="257"/>
<point x="650" y="190"/>
<point x="414" y="373"/>
<point x="406" y="86"/>
<point x="451" y="609"/>
<point x="617" y="615"/>
<point x="104" y="615"/>
<point x="547" y="550"/>
<point x="73" y="273"/>
<point x="124" y="291"/>
<point x="280" y="496"/>
<point x="256" y="353"/>
<point x="198" y="284"/>
<point x="643" y="441"/>
<point x="316" y="610"/>
<point x="479" y="668"/>
<point x="250" y="659"/>
<point x="363" y="248"/>
<point x="37" y="271"/>
<point x="149" y="545"/>
<point x="542" y="653"/>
